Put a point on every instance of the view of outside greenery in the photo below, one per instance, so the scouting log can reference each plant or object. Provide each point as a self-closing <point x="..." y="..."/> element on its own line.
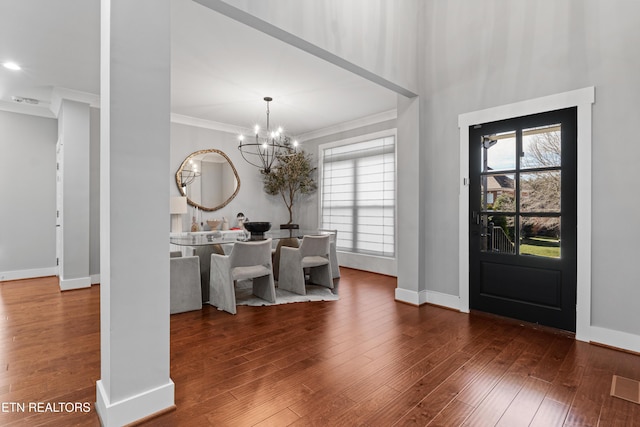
<point x="540" y="246"/>
<point x="539" y="190"/>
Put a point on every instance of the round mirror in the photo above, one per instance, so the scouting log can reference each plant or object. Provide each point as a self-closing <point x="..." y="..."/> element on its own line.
<point x="208" y="179"/>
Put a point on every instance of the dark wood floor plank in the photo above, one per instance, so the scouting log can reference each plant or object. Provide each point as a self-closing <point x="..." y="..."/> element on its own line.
<point x="415" y="393"/>
<point x="286" y="417"/>
<point x="592" y="392"/>
<point x="496" y="402"/>
<point x="363" y="360"/>
<point x="564" y="386"/>
<point x="525" y="405"/>
<point x="360" y="411"/>
<point x="549" y="366"/>
<point x="429" y="407"/>
<point x="482" y="385"/>
<point x="615" y="411"/>
<point x="550" y="413"/>
<point x="453" y="415"/>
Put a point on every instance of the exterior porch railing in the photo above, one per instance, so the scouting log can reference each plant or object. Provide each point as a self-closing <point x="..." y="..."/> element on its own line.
<point x="499" y="241"/>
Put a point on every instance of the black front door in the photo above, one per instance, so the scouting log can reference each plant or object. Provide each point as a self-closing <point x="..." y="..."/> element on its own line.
<point x="522" y="242"/>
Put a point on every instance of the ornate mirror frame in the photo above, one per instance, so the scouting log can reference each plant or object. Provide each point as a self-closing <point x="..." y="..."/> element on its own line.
<point x="182" y="188"/>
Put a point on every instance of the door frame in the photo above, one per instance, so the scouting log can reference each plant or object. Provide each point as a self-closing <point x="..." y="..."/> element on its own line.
<point x="582" y="99"/>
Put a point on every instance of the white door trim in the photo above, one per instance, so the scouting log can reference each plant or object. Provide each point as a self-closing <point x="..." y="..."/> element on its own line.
<point x="581" y="98"/>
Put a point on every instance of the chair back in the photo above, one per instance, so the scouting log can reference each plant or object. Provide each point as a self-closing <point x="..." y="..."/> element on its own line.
<point x="291" y="242"/>
<point x="332" y="233"/>
<point x="315" y="245"/>
<point x="245" y="254"/>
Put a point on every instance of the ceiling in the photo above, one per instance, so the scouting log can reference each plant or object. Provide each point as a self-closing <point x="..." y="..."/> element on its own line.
<point x="220" y="69"/>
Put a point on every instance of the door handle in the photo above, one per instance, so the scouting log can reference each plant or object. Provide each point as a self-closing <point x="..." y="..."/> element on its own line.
<point x="475" y="217"/>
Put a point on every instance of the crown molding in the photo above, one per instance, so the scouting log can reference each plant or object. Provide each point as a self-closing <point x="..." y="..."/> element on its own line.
<point x="347" y="126"/>
<point x="60" y="93"/>
<point x="206" y="124"/>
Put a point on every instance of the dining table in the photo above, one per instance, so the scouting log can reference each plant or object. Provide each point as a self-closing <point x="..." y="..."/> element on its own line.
<point x="230" y="237"/>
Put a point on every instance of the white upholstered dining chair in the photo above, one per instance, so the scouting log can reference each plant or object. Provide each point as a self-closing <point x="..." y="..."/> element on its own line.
<point x="333" y="255"/>
<point x="184" y="284"/>
<point x="247" y="260"/>
<point x="313" y="254"/>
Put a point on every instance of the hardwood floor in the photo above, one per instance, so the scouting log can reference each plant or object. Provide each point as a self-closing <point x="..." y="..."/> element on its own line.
<point x="362" y="360"/>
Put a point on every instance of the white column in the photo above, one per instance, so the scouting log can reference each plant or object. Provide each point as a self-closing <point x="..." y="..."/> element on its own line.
<point x="74" y="135"/>
<point x="134" y="202"/>
<point x="410" y="205"/>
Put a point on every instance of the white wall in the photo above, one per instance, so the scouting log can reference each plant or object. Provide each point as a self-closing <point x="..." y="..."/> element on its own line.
<point x="488" y="53"/>
<point x="250" y="200"/>
<point x="379" y="36"/>
<point x="94" y="177"/>
<point x="74" y="138"/>
<point x="27" y="196"/>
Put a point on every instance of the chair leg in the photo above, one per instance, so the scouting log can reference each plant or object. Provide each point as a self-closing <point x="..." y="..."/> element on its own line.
<point x="222" y="291"/>
<point x="321" y="275"/>
<point x="333" y="257"/>
<point x="263" y="287"/>
<point x="292" y="279"/>
<point x="291" y="273"/>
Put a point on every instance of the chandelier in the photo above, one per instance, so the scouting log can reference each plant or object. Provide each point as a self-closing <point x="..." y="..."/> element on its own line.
<point x="268" y="145"/>
<point x="189" y="174"/>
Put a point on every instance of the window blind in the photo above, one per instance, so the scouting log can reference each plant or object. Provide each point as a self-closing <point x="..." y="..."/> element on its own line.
<point x="358" y="195"/>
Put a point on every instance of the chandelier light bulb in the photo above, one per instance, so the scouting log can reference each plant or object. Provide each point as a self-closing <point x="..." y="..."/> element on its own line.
<point x="295" y="143"/>
<point x="256" y="129"/>
<point x="241" y="138"/>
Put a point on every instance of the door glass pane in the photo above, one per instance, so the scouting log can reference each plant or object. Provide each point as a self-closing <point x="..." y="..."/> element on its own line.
<point x="498" y="192"/>
<point x="498" y="233"/>
<point x="540" y="236"/>
<point x="541" y="147"/>
<point x="540" y="191"/>
<point x="499" y="152"/>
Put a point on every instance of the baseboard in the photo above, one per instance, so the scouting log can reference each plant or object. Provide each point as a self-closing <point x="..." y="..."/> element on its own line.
<point x="444" y="300"/>
<point x="418" y="298"/>
<point x="410" y="297"/>
<point x="617" y="339"/>
<point x="28" y="274"/>
<point x="95" y="279"/>
<point x="133" y="408"/>
<point x="374" y="264"/>
<point x="78" y="283"/>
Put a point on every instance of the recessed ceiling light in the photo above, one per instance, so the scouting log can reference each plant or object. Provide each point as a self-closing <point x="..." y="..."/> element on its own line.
<point x="11" y="66"/>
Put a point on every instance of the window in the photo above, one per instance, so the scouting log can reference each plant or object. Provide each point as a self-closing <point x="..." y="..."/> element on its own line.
<point x="358" y="195"/>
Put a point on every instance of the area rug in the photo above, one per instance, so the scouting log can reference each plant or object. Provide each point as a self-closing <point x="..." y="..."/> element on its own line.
<point x="314" y="293"/>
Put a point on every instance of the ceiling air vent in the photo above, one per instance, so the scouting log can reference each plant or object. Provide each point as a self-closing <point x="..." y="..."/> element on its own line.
<point x="21" y="99"/>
